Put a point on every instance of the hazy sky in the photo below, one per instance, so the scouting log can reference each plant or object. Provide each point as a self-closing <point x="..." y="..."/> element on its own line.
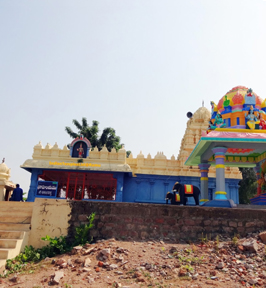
<point x="135" y="65"/>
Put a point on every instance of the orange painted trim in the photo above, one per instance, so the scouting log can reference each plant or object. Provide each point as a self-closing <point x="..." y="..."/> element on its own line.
<point x="219" y="156"/>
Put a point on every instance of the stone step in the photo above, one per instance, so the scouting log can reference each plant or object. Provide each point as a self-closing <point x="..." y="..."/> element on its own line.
<point x="8" y="243"/>
<point x="11" y="234"/>
<point x="16" y="219"/>
<point x="10" y="248"/>
<point x="14" y="227"/>
<point x="4" y="253"/>
<point x="15" y="208"/>
<point x="2" y="262"/>
<point x="4" y="204"/>
<point x="23" y="213"/>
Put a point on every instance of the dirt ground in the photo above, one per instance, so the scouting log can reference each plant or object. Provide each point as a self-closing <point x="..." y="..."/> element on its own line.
<point x="128" y="264"/>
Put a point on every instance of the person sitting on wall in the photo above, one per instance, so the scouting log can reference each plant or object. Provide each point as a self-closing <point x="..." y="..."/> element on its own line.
<point x="218" y="122"/>
<point x="17" y="194"/>
<point x="252" y="120"/>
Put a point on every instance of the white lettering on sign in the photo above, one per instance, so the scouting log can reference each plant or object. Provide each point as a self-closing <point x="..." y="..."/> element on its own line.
<point x="46" y="187"/>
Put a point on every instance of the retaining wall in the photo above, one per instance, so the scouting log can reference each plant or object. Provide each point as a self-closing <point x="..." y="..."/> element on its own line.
<point x="143" y="221"/>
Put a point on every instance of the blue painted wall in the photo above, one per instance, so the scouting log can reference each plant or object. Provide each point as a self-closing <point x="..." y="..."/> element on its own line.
<point x="147" y="188"/>
<point x="153" y="188"/>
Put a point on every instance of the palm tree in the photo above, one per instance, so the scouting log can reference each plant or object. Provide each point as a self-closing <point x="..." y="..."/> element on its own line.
<point x="107" y="138"/>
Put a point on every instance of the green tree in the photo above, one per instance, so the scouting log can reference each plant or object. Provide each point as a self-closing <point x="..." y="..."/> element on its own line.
<point x="247" y="186"/>
<point x="107" y="137"/>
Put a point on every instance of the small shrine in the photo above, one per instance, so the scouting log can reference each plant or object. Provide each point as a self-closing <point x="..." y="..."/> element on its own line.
<point x="236" y="137"/>
<point x="6" y="186"/>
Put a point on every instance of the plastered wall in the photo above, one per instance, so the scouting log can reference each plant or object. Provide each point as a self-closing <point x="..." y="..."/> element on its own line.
<point x="49" y="217"/>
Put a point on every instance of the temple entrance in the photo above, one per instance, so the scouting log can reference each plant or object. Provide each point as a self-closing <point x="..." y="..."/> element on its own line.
<point x="82" y="185"/>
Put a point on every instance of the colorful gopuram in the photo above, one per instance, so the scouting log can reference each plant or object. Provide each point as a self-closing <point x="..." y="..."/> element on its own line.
<point x="236" y="137"/>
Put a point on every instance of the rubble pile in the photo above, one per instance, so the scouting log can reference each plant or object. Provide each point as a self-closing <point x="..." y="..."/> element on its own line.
<point x="222" y="262"/>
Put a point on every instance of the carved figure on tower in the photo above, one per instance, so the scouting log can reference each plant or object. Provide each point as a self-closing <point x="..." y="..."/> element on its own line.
<point x="262" y="123"/>
<point x="250" y="97"/>
<point x="251" y="118"/>
<point x="218" y="122"/>
<point x="214" y="109"/>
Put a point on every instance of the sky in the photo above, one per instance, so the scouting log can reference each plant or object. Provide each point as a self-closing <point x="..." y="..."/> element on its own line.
<point x="137" y="66"/>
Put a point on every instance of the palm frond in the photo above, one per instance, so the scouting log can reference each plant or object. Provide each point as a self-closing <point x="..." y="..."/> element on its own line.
<point x="95" y="123"/>
<point x="77" y="124"/>
<point x="84" y="123"/>
<point x="108" y="136"/>
<point x="71" y="133"/>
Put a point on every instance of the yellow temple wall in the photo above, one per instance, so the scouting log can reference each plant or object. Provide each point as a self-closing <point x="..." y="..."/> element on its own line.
<point x="173" y="167"/>
<point x="54" y="153"/>
<point x="160" y="165"/>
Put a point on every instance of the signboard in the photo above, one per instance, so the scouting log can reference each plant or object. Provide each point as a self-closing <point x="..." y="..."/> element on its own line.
<point x="46" y="189"/>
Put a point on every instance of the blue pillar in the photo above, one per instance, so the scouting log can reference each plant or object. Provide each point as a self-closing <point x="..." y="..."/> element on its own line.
<point x="204" y="169"/>
<point x="33" y="184"/>
<point x="119" y="186"/>
<point x="219" y="154"/>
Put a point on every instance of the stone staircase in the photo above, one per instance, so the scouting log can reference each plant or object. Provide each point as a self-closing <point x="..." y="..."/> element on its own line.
<point x="15" y="221"/>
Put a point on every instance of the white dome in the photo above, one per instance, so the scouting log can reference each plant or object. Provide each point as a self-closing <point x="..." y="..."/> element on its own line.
<point x="4" y="169"/>
<point x="202" y="114"/>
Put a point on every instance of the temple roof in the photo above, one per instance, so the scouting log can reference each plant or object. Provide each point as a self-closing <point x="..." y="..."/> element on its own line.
<point x="236" y="96"/>
<point x="244" y="149"/>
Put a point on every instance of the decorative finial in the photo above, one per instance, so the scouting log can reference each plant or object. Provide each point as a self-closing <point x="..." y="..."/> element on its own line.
<point x="3" y="161"/>
<point x="202" y="103"/>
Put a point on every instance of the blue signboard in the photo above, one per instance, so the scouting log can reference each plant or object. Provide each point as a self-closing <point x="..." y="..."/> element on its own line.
<point x="46" y="189"/>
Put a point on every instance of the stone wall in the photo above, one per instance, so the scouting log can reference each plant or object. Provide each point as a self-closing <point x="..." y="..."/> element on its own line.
<point x="141" y="221"/>
<point x="147" y="221"/>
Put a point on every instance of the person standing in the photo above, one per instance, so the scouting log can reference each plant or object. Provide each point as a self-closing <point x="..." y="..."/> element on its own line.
<point x="17" y="194"/>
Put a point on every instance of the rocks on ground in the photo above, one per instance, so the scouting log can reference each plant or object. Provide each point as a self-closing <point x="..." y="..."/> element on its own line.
<point x="112" y="263"/>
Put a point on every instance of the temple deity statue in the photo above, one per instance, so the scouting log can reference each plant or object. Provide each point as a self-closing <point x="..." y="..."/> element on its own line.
<point x="81" y="151"/>
<point x="262" y="123"/>
<point x="250" y="97"/>
<point x="218" y="122"/>
<point x="252" y="120"/>
<point x="214" y="108"/>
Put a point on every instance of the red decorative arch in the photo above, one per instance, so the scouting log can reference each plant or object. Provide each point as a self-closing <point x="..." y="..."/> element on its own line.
<point x="84" y="139"/>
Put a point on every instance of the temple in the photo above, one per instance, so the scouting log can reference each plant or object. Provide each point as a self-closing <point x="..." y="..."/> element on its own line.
<point x="236" y="137"/>
<point x="6" y="186"/>
<point x="84" y="173"/>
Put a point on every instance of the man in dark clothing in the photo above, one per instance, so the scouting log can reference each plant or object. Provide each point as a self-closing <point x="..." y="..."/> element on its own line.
<point x="17" y="194"/>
